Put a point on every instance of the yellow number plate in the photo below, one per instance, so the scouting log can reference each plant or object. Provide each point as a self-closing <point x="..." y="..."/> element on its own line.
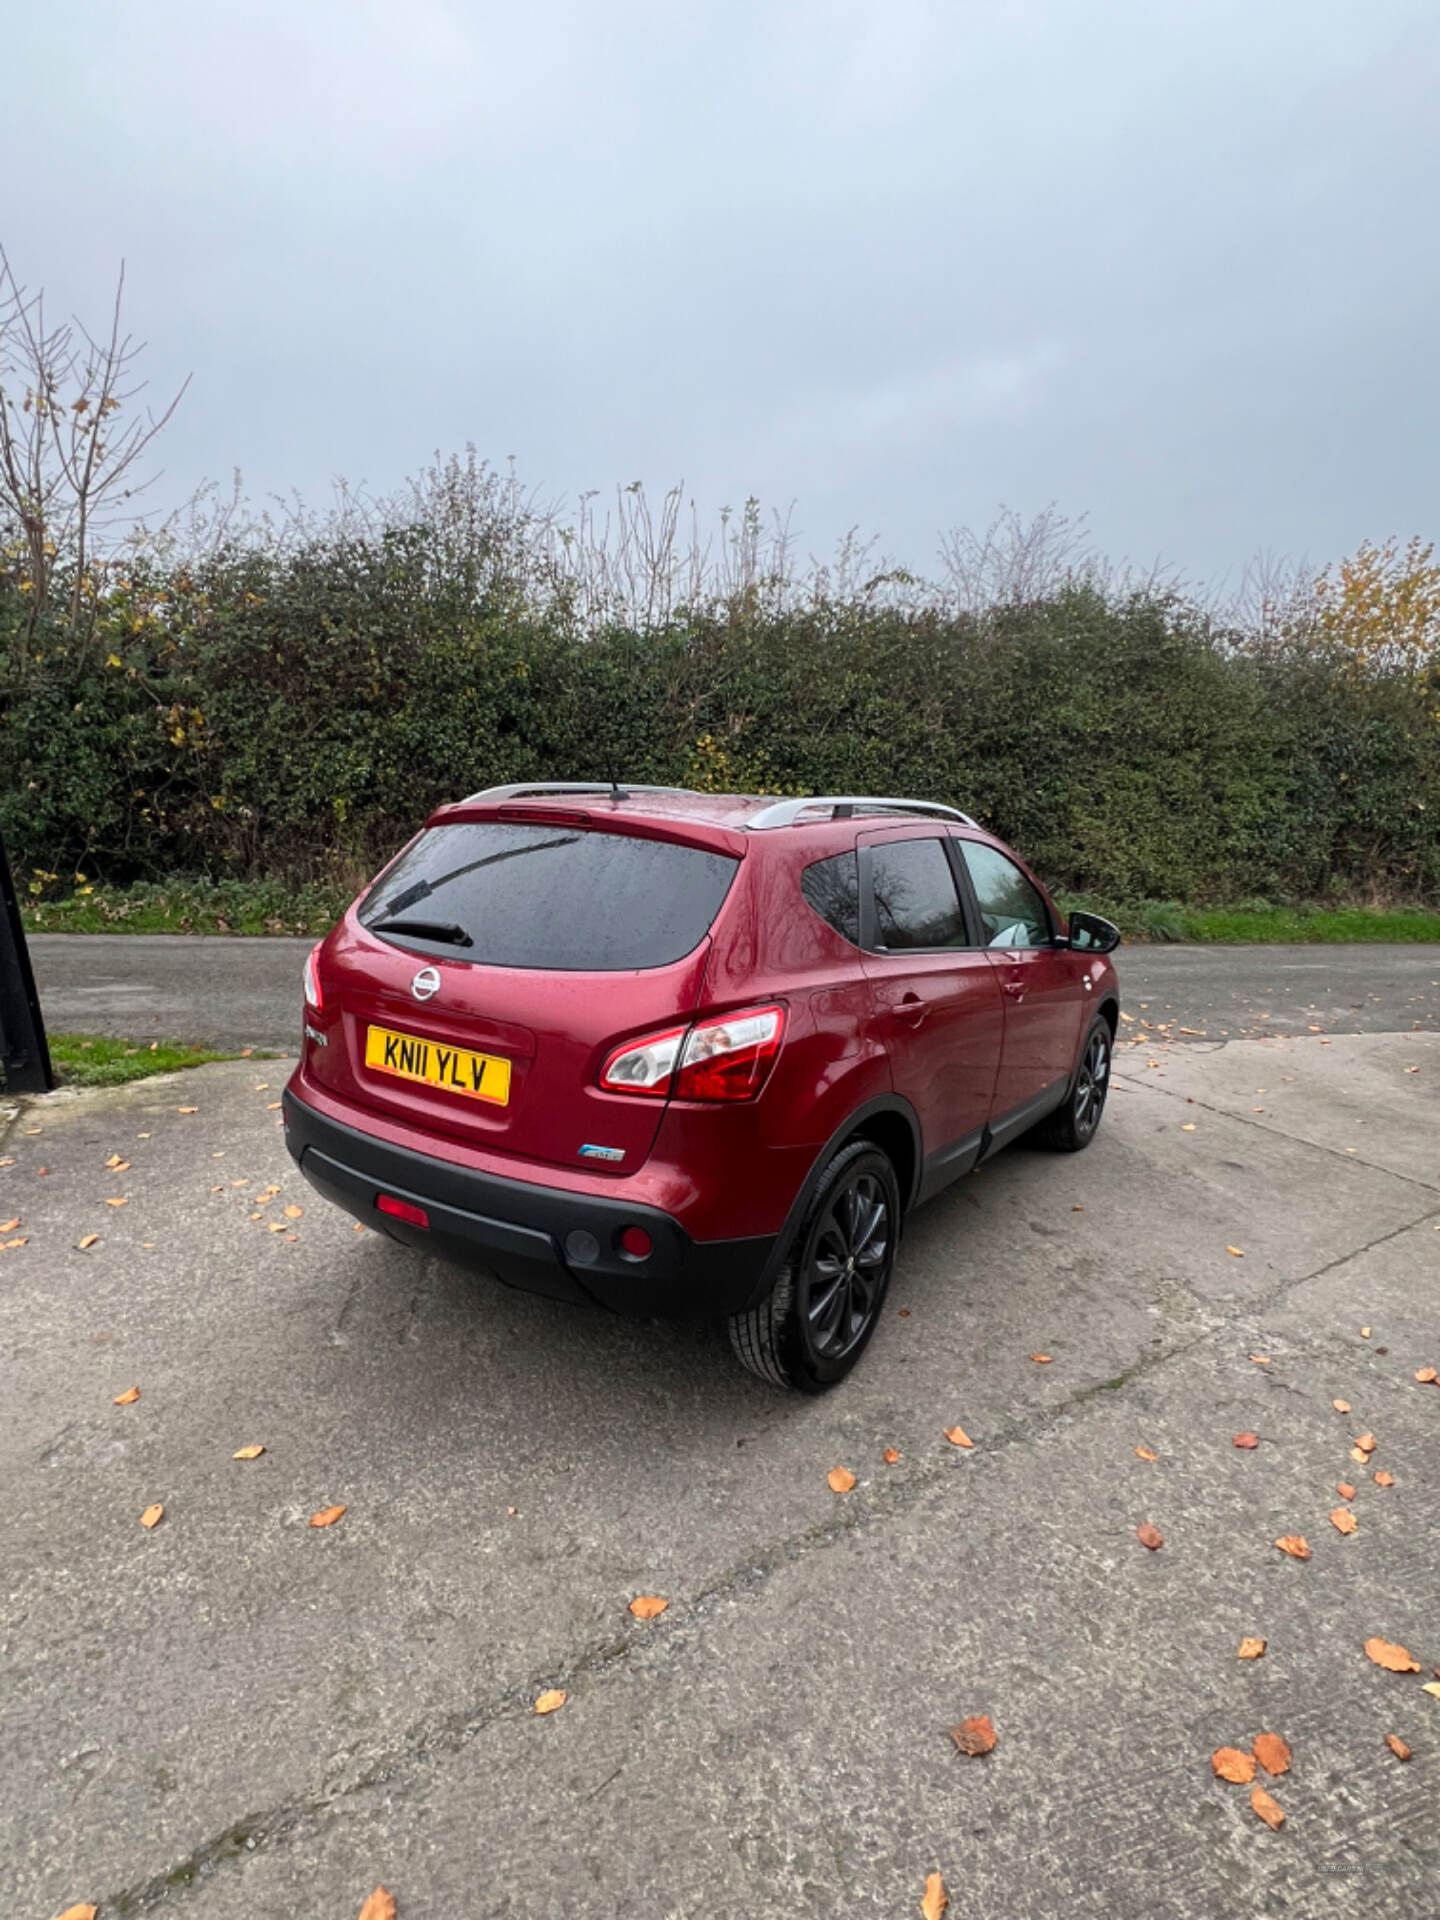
<point x="480" y="1076"/>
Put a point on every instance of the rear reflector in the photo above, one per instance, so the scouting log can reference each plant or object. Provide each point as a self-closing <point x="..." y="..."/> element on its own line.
<point x="401" y="1210"/>
<point x="636" y="1242"/>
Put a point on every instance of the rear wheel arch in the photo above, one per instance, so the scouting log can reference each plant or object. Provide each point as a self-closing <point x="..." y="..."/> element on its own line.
<point x="897" y="1138"/>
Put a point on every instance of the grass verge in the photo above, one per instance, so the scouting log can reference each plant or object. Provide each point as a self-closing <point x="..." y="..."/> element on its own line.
<point x="193" y="906"/>
<point x="95" y="1060"/>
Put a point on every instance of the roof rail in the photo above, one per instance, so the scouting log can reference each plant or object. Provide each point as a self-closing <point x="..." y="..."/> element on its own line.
<point x="521" y="789"/>
<point x="785" y="813"/>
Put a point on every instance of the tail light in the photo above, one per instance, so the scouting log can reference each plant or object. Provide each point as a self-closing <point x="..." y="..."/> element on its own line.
<point x="726" y="1058"/>
<point x="313" y="995"/>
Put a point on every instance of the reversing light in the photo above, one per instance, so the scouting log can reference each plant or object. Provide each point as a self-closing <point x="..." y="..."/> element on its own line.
<point x="312" y="980"/>
<point x="644" y="1066"/>
<point x="401" y="1210"/>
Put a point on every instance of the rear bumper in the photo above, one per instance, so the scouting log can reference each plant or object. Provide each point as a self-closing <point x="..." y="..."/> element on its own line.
<point x="519" y="1229"/>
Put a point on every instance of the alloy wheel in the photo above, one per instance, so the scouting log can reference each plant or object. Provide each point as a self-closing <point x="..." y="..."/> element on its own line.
<point x="1093" y="1082"/>
<point x="848" y="1265"/>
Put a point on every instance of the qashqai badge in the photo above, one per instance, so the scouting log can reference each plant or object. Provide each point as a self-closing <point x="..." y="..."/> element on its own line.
<point x="426" y="983"/>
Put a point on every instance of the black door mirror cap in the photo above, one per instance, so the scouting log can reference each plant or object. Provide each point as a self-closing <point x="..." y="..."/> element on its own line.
<point x="1089" y="933"/>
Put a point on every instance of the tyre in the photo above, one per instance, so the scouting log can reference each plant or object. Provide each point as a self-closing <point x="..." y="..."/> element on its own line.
<point x="1073" y="1125"/>
<point x="817" y="1319"/>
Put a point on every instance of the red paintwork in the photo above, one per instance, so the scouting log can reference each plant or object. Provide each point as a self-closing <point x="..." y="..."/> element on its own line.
<point x="724" y="1170"/>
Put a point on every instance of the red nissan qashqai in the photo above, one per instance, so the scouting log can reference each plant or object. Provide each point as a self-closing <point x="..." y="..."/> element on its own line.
<point x="685" y="1053"/>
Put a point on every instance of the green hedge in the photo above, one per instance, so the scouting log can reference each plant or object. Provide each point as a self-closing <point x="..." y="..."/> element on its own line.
<point x="295" y="716"/>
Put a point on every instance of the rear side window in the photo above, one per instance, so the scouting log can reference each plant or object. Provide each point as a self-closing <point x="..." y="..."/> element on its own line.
<point x="1011" y="911"/>
<point x="559" y="897"/>
<point x="916" y="904"/>
<point x="832" y="888"/>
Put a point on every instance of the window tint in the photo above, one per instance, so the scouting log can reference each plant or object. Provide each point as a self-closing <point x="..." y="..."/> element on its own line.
<point x="1011" y="911"/>
<point x="916" y="904"/>
<point x="832" y="888"/>
<point x="555" y="897"/>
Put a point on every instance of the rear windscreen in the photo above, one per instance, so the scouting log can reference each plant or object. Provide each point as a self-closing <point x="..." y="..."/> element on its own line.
<point x="555" y="897"/>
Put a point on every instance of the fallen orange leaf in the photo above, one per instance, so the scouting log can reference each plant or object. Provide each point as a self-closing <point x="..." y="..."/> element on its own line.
<point x="1343" y="1520"/>
<point x="1149" y="1536"/>
<point x="187" y="1109"/>
<point x="552" y="1698"/>
<point x="1364" y="1333"/>
<point x="1246" y="1440"/>
<point x="248" y="1453"/>
<point x="891" y="1456"/>
<point x="975" y="1735"/>
<point x="117" y="1203"/>
<point x="1187" y="1126"/>
<point x="1261" y="1359"/>
<point x="152" y="1516"/>
<point x="1144" y="1453"/>
<point x="648" y="1606"/>
<point x="293" y="1213"/>
<point x="84" y="1911"/>
<point x="1432" y="1686"/>
<point x="1295" y="1544"/>
<point x="1366" y="1442"/>
<point x="1341" y="1406"/>
<point x="379" y="1906"/>
<point x="1270" y="1811"/>
<point x="1043" y="1360"/>
<point x="9" y="1226"/>
<point x="127" y="1398"/>
<point x="1391" y="1656"/>
<point x="936" y="1900"/>
<point x="1229" y="1763"/>
<point x="958" y="1437"/>
<point x="1423" y="1374"/>
<point x="1384" y="1479"/>
<point x="1345" y="1490"/>
<point x="1272" y="1752"/>
<point x="1236" y="1253"/>
<point x="1360" y="1457"/>
<point x="1392" y="1740"/>
<point x="840" y="1479"/>
<point x="1250" y="1649"/>
<point x="86" y="1240"/>
<point x="326" y="1517"/>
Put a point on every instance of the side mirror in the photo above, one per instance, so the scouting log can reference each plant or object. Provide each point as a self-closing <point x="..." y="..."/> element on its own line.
<point x="1090" y="934"/>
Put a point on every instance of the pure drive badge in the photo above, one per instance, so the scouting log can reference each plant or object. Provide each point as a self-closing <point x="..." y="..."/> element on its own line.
<point x="602" y="1153"/>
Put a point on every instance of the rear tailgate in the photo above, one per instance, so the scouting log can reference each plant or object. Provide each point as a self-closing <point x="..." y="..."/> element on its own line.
<point x="461" y="1041"/>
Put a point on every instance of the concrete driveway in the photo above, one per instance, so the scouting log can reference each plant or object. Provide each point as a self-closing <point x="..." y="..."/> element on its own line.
<point x="238" y="1715"/>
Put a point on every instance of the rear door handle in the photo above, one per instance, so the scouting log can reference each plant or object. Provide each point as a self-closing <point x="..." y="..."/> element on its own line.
<point x="911" y="1009"/>
<point x="1015" y="989"/>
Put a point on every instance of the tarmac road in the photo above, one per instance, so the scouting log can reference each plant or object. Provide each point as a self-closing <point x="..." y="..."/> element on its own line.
<point x="227" y="991"/>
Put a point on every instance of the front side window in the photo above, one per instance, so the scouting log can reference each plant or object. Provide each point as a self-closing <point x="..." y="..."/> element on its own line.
<point x="558" y="897"/>
<point x="916" y="904"/>
<point x="1011" y="910"/>
<point x="832" y="888"/>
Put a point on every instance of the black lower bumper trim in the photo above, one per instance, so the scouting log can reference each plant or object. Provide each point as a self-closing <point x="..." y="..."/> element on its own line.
<point x="518" y="1229"/>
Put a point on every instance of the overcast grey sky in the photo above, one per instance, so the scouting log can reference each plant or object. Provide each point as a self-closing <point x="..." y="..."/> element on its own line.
<point x="1172" y="264"/>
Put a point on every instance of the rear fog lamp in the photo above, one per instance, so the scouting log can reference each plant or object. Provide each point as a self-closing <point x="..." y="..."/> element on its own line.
<point x="401" y="1210"/>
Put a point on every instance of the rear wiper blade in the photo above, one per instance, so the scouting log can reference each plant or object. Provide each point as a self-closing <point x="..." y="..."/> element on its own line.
<point x="446" y="930"/>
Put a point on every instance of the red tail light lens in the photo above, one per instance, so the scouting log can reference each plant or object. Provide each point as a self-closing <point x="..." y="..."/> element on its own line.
<point x="401" y="1210"/>
<point x="726" y="1058"/>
